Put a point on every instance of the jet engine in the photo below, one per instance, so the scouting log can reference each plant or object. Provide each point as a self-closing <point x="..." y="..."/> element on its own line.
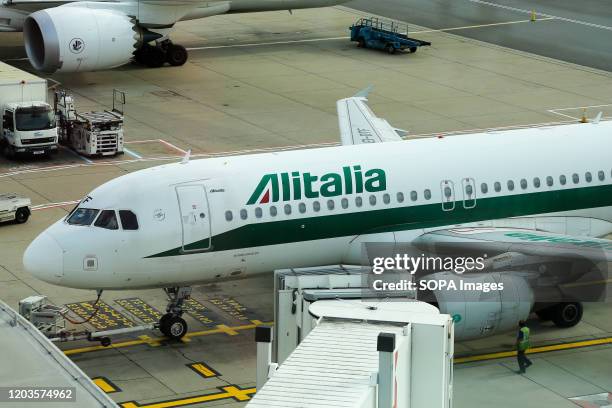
<point x="72" y="39"/>
<point x="479" y="312"/>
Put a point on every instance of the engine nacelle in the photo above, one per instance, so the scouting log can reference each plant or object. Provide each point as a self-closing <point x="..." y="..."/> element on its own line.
<point x="477" y="313"/>
<point x="72" y="39"/>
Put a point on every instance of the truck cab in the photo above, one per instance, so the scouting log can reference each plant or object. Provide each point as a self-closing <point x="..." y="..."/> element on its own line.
<point x="28" y="127"/>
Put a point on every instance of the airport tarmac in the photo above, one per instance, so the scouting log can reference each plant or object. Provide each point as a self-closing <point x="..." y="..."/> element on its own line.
<point x="270" y="81"/>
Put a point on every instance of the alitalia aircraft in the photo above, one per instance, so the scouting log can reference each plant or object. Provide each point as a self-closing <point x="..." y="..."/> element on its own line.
<point x="524" y="194"/>
<point x="76" y="35"/>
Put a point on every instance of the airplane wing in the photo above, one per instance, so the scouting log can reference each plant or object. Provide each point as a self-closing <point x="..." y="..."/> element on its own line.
<point x="359" y="125"/>
<point x="513" y="240"/>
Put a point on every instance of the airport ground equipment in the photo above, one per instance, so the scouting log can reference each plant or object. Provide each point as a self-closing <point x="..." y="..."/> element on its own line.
<point x="361" y="354"/>
<point x="34" y="361"/>
<point x="96" y="133"/>
<point x="14" y="207"/>
<point x="51" y="321"/>
<point x="385" y="35"/>
<point x="297" y="288"/>
<point x="28" y="123"/>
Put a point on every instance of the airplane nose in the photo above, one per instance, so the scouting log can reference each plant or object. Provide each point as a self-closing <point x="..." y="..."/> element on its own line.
<point x="44" y="258"/>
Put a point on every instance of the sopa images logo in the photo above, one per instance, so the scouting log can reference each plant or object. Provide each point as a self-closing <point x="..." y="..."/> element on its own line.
<point x="76" y="46"/>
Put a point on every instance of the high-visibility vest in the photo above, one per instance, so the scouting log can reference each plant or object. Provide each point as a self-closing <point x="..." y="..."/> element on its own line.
<point x="524" y="342"/>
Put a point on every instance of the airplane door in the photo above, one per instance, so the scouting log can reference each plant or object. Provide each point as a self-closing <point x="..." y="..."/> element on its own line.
<point x="195" y="217"/>
<point x="448" y="195"/>
<point x="469" y="192"/>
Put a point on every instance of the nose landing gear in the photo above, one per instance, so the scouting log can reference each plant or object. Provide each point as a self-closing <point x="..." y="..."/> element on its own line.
<point x="155" y="56"/>
<point x="171" y="324"/>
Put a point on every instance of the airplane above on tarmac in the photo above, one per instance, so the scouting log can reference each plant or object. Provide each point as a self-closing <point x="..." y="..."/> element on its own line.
<point x="522" y="194"/>
<point x="77" y="36"/>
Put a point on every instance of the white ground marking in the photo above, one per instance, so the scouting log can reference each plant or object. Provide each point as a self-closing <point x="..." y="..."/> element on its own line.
<point x="520" y="10"/>
<point x="48" y="206"/>
<point x="308" y="40"/>
<point x="558" y="111"/>
<point x="132" y="153"/>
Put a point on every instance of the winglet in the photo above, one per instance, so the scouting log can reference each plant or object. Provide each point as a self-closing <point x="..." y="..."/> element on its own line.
<point x="597" y="118"/>
<point x="364" y="92"/>
<point x="186" y="157"/>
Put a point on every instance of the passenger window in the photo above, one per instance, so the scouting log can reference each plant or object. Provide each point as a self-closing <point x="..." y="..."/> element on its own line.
<point x="510" y="185"/>
<point x="330" y="204"/>
<point x="344" y="203"/>
<point x="316" y="206"/>
<point x="83" y="216"/>
<point x="400" y="197"/>
<point x="588" y="176"/>
<point x="549" y="181"/>
<point x="562" y="179"/>
<point x="107" y="219"/>
<point x="287" y="209"/>
<point x="484" y="188"/>
<point x="386" y="198"/>
<point x="358" y="201"/>
<point x="575" y="178"/>
<point x="497" y="186"/>
<point x="427" y="194"/>
<point x="523" y="184"/>
<point x="469" y="190"/>
<point x="372" y="200"/>
<point x="302" y="208"/>
<point x="447" y="192"/>
<point x="243" y="214"/>
<point x="273" y="211"/>
<point x="536" y="182"/>
<point x="601" y="175"/>
<point x="413" y="195"/>
<point x="258" y="212"/>
<point x="128" y="220"/>
<point x="229" y="216"/>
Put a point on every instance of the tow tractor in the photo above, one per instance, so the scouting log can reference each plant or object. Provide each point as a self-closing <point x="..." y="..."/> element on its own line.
<point x="14" y="207"/>
<point x="51" y="321"/>
<point x="384" y="34"/>
<point x="96" y="133"/>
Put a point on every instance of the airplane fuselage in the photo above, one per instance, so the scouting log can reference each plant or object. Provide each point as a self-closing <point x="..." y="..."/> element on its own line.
<point x="232" y="217"/>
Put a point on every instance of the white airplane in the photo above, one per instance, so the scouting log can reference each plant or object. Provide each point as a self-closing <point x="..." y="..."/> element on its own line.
<point x="75" y="35"/>
<point x="520" y="195"/>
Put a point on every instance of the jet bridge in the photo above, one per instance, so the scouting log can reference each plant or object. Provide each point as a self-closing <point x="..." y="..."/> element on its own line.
<point x="329" y="347"/>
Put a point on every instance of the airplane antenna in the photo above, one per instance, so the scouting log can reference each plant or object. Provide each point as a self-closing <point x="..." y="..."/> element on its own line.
<point x="186" y="157"/>
<point x="597" y="118"/>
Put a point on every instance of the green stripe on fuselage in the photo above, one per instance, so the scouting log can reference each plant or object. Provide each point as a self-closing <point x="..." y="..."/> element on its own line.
<point x="402" y="218"/>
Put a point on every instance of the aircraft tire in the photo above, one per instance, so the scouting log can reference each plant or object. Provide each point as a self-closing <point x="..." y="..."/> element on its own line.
<point x="176" y="55"/>
<point x="173" y="327"/>
<point x="567" y="314"/>
<point x="154" y="57"/>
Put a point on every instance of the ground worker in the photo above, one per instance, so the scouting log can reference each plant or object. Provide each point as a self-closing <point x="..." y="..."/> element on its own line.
<point x="522" y="344"/>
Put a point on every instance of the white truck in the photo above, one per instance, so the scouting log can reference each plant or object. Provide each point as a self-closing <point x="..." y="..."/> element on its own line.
<point x="14" y="207"/>
<point x="96" y="133"/>
<point x="28" y="121"/>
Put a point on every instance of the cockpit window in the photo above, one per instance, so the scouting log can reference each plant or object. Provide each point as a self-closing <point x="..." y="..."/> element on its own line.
<point x="82" y="216"/>
<point x="107" y="219"/>
<point x="128" y="220"/>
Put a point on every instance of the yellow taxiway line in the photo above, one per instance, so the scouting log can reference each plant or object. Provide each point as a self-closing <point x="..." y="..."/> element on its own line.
<point x="230" y="391"/>
<point x="535" y="350"/>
